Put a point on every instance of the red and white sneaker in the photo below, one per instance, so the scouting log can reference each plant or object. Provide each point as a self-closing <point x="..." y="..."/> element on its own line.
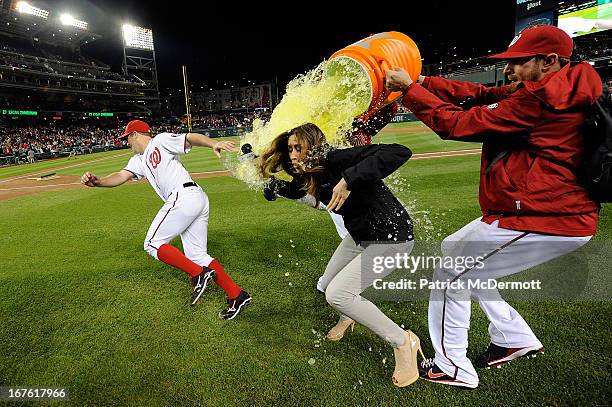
<point x="429" y="371"/>
<point x="497" y="356"/>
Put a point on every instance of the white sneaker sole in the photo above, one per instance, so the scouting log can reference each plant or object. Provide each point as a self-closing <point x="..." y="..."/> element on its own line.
<point x="244" y="304"/>
<point x="529" y="352"/>
<point x="452" y="383"/>
<point x="204" y="285"/>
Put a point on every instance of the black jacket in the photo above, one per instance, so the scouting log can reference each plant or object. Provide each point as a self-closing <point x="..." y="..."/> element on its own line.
<point x="371" y="212"/>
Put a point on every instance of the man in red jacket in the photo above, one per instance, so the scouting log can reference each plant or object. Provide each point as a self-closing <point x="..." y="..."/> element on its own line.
<point x="534" y="209"/>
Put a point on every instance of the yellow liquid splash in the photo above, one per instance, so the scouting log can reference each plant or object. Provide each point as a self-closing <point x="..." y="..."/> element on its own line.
<point x="330" y="96"/>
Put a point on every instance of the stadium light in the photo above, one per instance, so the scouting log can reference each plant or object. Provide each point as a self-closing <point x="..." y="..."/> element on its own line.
<point x="67" y="19"/>
<point x="25" y="8"/>
<point x="138" y="37"/>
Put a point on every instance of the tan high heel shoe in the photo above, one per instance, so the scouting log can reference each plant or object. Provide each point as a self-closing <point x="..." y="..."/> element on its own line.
<point x="337" y="332"/>
<point x="406" y="369"/>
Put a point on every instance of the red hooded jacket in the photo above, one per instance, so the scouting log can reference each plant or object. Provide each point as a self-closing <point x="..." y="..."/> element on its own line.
<point x="528" y="135"/>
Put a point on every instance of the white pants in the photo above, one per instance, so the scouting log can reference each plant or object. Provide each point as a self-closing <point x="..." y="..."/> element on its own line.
<point x="509" y="252"/>
<point x="185" y="213"/>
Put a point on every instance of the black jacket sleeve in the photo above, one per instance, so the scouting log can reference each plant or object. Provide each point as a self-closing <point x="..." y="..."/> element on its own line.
<point x="291" y="190"/>
<point x="368" y="163"/>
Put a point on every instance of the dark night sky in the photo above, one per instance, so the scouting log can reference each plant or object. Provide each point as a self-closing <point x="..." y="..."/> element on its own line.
<point x="224" y="41"/>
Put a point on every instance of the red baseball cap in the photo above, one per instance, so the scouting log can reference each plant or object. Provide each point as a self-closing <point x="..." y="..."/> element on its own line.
<point x="135" y="125"/>
<point x="540" y="40"/>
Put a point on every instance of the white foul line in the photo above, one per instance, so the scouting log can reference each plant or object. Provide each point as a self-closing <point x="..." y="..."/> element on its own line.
<point x="421" y="157"/>
<point x="469" y="150"/>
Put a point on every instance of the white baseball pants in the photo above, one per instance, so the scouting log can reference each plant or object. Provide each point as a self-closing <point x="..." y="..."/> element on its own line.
<point x="185" y="213"/>
<point x="509" y="252"/>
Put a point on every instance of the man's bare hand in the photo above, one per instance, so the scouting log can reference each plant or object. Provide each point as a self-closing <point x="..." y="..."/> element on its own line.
<point x="397" y="80"/>
<point x="228" y="146"/>
<point x="90" y="180"/>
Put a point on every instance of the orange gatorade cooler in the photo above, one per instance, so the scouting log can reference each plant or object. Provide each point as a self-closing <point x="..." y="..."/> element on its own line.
<point x="376" y="54"/>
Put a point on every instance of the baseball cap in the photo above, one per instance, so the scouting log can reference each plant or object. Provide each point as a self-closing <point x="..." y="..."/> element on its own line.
<point x="135" y="125"/>
<point x="540" y="40"/>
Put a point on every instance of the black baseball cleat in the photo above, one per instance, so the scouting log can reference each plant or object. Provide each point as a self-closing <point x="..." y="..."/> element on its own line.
<point x="199" y="283"/>
<point x="236" y="305"/>
<point x="497" y="356"/>
<point x="432" y="373"/>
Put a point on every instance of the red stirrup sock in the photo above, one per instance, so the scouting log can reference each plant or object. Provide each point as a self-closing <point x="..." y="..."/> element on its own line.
<point x="175" y="258"/>
<point x="224" y="281"/>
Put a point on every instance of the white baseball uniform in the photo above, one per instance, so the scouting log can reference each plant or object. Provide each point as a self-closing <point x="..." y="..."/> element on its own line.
<point x="506" y="252"/>
<point x="185" y="211"/>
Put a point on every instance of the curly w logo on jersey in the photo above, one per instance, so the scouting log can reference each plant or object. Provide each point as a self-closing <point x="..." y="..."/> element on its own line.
<point x="155" y="158"/>
<point x="160" y="164"/>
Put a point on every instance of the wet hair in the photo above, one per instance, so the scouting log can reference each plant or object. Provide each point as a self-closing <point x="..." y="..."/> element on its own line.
<point x="276" y="157"/>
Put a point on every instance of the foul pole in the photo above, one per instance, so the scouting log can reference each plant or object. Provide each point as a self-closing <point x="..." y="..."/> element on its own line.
<point x="186" y="87"/>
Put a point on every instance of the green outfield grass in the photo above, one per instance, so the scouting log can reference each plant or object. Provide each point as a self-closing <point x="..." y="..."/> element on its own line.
<point x="203" y="159"/>
<point x="48" y="166"/>
<point x="82" y="305"/>
<point x="421" y="139"/>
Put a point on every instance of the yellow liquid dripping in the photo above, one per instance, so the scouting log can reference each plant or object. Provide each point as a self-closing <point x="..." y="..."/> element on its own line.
<point x="330" y="96"/>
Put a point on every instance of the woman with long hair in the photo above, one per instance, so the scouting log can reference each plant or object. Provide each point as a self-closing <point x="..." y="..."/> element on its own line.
<point x="364" y="128"/>
<point x="349" y="182"/>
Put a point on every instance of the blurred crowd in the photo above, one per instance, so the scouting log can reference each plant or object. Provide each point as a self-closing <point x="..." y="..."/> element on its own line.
<point x="224" y="120"/>
<point x="583" y="51"/>
<point x="50" y="139"/>
<point x="592" y="50"/>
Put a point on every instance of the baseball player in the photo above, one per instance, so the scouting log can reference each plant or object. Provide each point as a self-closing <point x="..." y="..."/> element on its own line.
<point x="185" y="211"/>
<point x="534" y="208"/>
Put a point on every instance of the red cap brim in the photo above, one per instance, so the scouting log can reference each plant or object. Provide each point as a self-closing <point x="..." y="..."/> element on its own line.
<point x="511" y="55"/>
